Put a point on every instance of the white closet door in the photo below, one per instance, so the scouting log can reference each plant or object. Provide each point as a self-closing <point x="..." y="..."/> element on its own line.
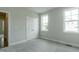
<point x="31" y="28"/>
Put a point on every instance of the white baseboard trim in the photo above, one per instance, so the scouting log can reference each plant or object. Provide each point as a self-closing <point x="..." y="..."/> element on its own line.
<point x="62" y="42"/>
<point x="19" y="42"/>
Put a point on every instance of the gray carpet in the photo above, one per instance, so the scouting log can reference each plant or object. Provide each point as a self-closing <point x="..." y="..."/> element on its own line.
<point x="39" y="45"/>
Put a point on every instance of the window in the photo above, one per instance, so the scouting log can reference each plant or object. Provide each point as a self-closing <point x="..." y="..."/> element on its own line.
<point x="44" y="22"/>
<point x="71" y="20"/>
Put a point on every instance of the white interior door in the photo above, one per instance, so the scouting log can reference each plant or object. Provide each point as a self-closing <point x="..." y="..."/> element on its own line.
<point x="32" y="28"/>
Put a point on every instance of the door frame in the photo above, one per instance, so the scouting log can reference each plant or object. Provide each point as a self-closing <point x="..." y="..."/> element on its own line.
<point x="6" y="43"/>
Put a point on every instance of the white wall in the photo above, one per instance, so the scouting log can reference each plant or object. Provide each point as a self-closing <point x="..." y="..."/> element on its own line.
<point x="55" y="32"/>
<point x="17" y="23"/>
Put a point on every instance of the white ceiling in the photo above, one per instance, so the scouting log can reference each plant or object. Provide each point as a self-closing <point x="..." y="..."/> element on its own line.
<point x="40" y="9"/>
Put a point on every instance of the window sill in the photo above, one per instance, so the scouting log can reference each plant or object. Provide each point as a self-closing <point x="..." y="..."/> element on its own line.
<point x="71" y="32"/>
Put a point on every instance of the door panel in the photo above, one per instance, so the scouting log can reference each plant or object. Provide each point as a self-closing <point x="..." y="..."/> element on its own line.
<point x="32" y="28"/>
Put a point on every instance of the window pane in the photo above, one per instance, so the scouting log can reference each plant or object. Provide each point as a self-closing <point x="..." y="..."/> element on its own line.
<point x="75" y="11"/>
<point x="71" y="26"/>
<point x="67" y="18"/>
<point x="74" y="17"/>
<point x="44" y="23"/>
<point x="44" y="27"/>
<point x="67" y="13"/>
<point x="45" y="19"/>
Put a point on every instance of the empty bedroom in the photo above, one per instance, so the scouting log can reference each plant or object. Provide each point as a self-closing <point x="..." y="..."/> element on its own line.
<point x="39" y="29"/>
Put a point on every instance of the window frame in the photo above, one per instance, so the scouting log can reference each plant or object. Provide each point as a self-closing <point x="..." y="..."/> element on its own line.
<point x="41" y="23"/>
<point x="64" y="21"/>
